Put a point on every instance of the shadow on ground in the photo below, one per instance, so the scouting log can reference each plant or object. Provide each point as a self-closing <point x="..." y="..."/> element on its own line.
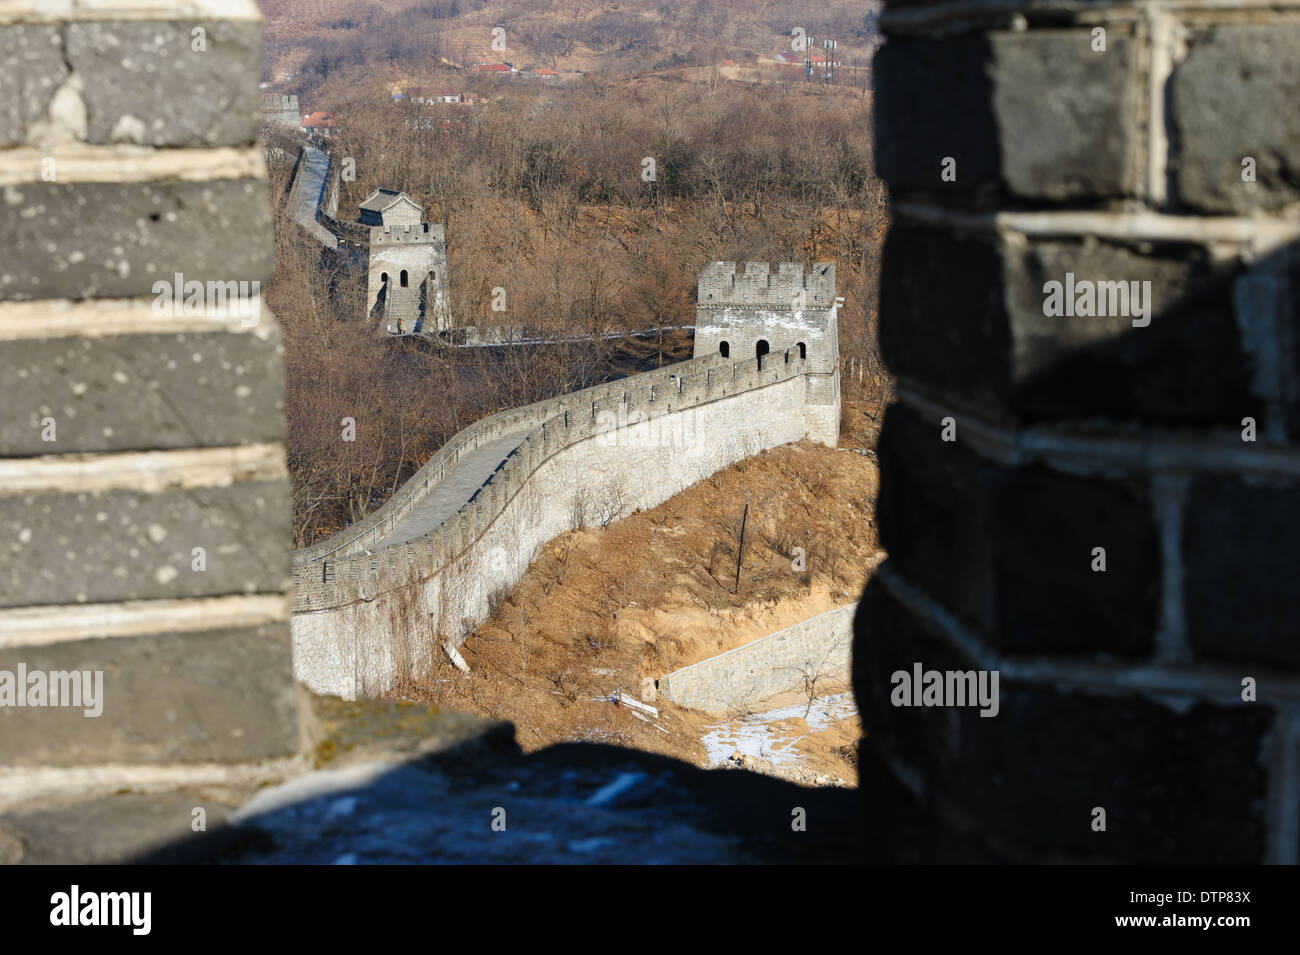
<point x="446" y="788"/>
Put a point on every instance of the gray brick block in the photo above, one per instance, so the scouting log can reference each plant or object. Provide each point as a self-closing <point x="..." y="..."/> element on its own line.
<point x="137" y="392"/>
<point x="219" y="695"/>
<point x="128" y="545"/>
<point x="1179" y="784"/>
<point x="934" y="99"/>
<point x="145" y="83"/>
<point x="1066" y="115"/>
<point x="86" y="240"/>
<point x="1011" y="551"/>
<point x="1232" y="97"/>
<point x="1038" y="115"/>
<point x="31" y="70"/>
<point x="999" y="351"/>
<point x="1241" y="546"/>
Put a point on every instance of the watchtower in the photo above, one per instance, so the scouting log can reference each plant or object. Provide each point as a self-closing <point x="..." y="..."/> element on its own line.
<point x="281" y="110"/>
<point x="783" y="316"/>
<point x="408" y="265"/>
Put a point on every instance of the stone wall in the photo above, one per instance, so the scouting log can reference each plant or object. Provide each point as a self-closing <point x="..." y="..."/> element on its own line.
<point x="789" y="312"/>
<point x="1103" y="508"/>
<point x="363" y="621"/>
<point x="281" y="110"/>
<point x="420" y="250"/>
<point x="310" y="181"/>
<point x="144" y="499"/>
<point x="815" y="649"/>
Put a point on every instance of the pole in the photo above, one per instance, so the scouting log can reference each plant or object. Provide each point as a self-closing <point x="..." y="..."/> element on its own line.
<point x="740" y="553"/>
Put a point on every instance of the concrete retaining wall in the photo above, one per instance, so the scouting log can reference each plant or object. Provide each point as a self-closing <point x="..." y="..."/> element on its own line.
<point x="734" y="681"/>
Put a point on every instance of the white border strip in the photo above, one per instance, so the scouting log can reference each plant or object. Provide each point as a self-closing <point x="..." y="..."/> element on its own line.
<point x="147" y="471"/>
<point x="1258" y="236"/>
<point x="108" y="317"/>
<point x="24" y="786"/>
<point x="56" y="11"/>
<point x="83" y="163"/>
<point x="1105" y="454"/>
<point x="44" y="626"/>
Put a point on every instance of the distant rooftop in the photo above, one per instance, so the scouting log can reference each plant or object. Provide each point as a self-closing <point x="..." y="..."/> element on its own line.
<point x="383" y="199"/>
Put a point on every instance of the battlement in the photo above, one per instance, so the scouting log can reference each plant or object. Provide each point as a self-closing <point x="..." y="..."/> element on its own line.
<point x="407" y="284"/>
<point x="277" y="102"/>
<point x="756" y="286"/>
<point x="789" y="313"/>
<point x="403" y="234"/>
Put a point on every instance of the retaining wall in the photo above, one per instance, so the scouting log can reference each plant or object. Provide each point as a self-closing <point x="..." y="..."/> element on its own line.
<point x="736" y="680"/>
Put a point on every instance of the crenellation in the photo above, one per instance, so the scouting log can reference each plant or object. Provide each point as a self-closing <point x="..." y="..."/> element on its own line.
<point x="550" y="437"/>
<point x="404" y="233"/>
<point x="281" y="110"/>
<point x="709" y="386"/>
<point x="789" y="315"/>
<point x="762" y="409"/>
<point x="720" y="286"/>
<point x="408" y="289"/>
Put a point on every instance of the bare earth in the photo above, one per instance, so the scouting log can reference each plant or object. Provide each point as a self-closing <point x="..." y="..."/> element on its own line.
<point x="601" y="609"/>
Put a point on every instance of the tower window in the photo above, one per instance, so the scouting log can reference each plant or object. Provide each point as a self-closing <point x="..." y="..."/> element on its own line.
<point x="724" y="349"/>
<point x="803" y="350"/>
<point x="403" y="278"/>
<point x="760" y="350"/>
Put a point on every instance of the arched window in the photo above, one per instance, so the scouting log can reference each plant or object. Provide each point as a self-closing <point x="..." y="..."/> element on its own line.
<point x="724" y="349"/>
<point x="761" y="349"/>
<point x="403" y="278"/>
<point x="803" y="350"/>
<point x="383" y="278"/>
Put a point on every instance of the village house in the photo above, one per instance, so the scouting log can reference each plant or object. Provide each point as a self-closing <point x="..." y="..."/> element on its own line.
<point x="321" y="124"/>
<point x="428" y="96"/>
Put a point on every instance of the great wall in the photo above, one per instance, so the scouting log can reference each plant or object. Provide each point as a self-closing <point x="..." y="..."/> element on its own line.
<point x="1164" y="689"/>
<point x="374" y="603"/>
<point x="377" y="599"/>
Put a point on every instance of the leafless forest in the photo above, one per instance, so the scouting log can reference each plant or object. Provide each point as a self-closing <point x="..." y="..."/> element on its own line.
<point x="542" y="194"/>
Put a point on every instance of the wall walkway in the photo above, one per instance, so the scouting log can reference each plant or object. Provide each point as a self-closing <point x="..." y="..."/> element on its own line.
<point x="373" y="602"/>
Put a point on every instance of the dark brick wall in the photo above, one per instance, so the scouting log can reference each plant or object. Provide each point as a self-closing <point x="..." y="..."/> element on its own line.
<point x="144" y="501"/>
<point x="1123" y="689"/>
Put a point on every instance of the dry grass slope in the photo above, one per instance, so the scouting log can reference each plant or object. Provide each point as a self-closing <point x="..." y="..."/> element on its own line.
<point x="603" y="608"/>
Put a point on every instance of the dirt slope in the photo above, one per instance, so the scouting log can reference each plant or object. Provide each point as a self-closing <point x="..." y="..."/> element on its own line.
<point x="603" y="608"/>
